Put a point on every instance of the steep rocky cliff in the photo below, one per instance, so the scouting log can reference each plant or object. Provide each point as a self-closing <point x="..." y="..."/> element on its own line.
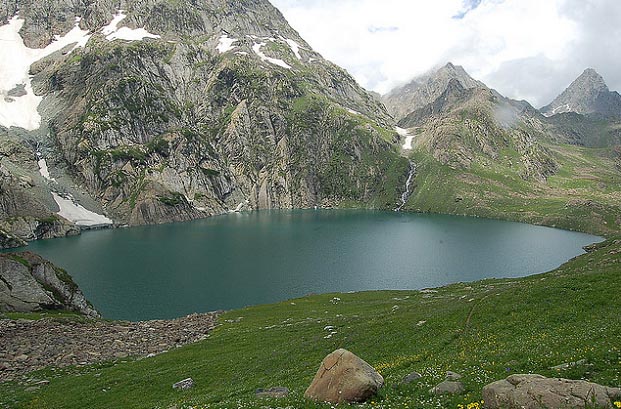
<point x="154" y="111"/>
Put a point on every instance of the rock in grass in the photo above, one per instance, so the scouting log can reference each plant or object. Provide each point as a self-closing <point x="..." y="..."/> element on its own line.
<point x="539" y="392"/>
<point x="451" y="385"/>
<point x="184" y="384"/>
<point x="448" y="388"/>
<point x="344" y="377"/>
<point x="414" y="376"/>
<point x="275" y="392"/>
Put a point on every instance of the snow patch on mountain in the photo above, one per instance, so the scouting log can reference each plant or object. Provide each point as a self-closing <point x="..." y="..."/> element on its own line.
<point x="20" y="109"/>
<point x="44" y="171"/>
<point x="77" y="214"/>
<point x="225" y="44"/>
<point x="257" y="49"/>
<point x="112" y="32"/>
<point x="559" y="110"/>
<point x="404" y="133"/>
<point x="295" y="48"/>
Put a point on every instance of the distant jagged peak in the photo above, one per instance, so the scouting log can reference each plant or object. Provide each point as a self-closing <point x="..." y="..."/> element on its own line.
<point x="442" y="74"/>
<point x="426" y="88"/>
<point x="587" y="94"/>
<point x="457" y="72"/>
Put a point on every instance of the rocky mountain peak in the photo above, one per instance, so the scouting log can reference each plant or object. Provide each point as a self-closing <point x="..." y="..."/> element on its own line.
<point x="587" y="94"/>
<point x="425" y="89"/>
<point x="590" y="79"/>
<point x="457" y="72"/>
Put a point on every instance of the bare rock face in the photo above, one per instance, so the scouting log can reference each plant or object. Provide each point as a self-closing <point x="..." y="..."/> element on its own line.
<point x="28" y="228"/>
<point x="344" y="377"/>
<point x="9" y="240"/>
<point x="30" y="283"/>
<point x="539" y="392"/>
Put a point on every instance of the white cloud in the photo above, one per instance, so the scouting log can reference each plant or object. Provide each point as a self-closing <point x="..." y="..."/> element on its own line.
<point x="527" y="49"/>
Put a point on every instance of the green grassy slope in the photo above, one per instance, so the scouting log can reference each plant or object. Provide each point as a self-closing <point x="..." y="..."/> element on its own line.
<point x="484" y="330"/>
<point x="583" y="194"/>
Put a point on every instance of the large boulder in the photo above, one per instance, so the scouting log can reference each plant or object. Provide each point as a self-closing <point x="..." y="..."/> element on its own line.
<point x="344" y="377"/>
<point x="539" y="392"/>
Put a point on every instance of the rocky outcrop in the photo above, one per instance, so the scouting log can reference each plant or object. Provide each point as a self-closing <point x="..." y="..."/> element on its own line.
<point x="344" y="377"/>
<point x="538" y="392"/>
<point x="10" y="241"/>
<point x="27" y="209"/>
<point x="29" y="283"/>
<point x="28" y="228"/>
<point x="31" y="345"/>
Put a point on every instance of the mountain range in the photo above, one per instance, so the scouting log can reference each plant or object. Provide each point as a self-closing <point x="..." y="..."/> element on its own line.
<point x="145" y="112"/>
<point x="480" y="153"/>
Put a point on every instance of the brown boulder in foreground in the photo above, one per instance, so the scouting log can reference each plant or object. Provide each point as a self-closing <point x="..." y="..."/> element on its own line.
<point x="343" y="377"/>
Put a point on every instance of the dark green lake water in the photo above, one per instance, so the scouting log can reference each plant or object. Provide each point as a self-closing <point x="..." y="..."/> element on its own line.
<point x="244" y="259"/>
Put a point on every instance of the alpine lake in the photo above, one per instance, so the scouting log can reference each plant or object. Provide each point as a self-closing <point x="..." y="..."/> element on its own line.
<point x="241" y="259"/>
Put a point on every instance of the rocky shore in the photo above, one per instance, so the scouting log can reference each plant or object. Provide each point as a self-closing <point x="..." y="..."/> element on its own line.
<point x="27" y="345"/>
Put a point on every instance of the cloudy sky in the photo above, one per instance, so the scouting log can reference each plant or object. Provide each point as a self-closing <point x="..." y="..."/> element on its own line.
<point x="526" y="49"/>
